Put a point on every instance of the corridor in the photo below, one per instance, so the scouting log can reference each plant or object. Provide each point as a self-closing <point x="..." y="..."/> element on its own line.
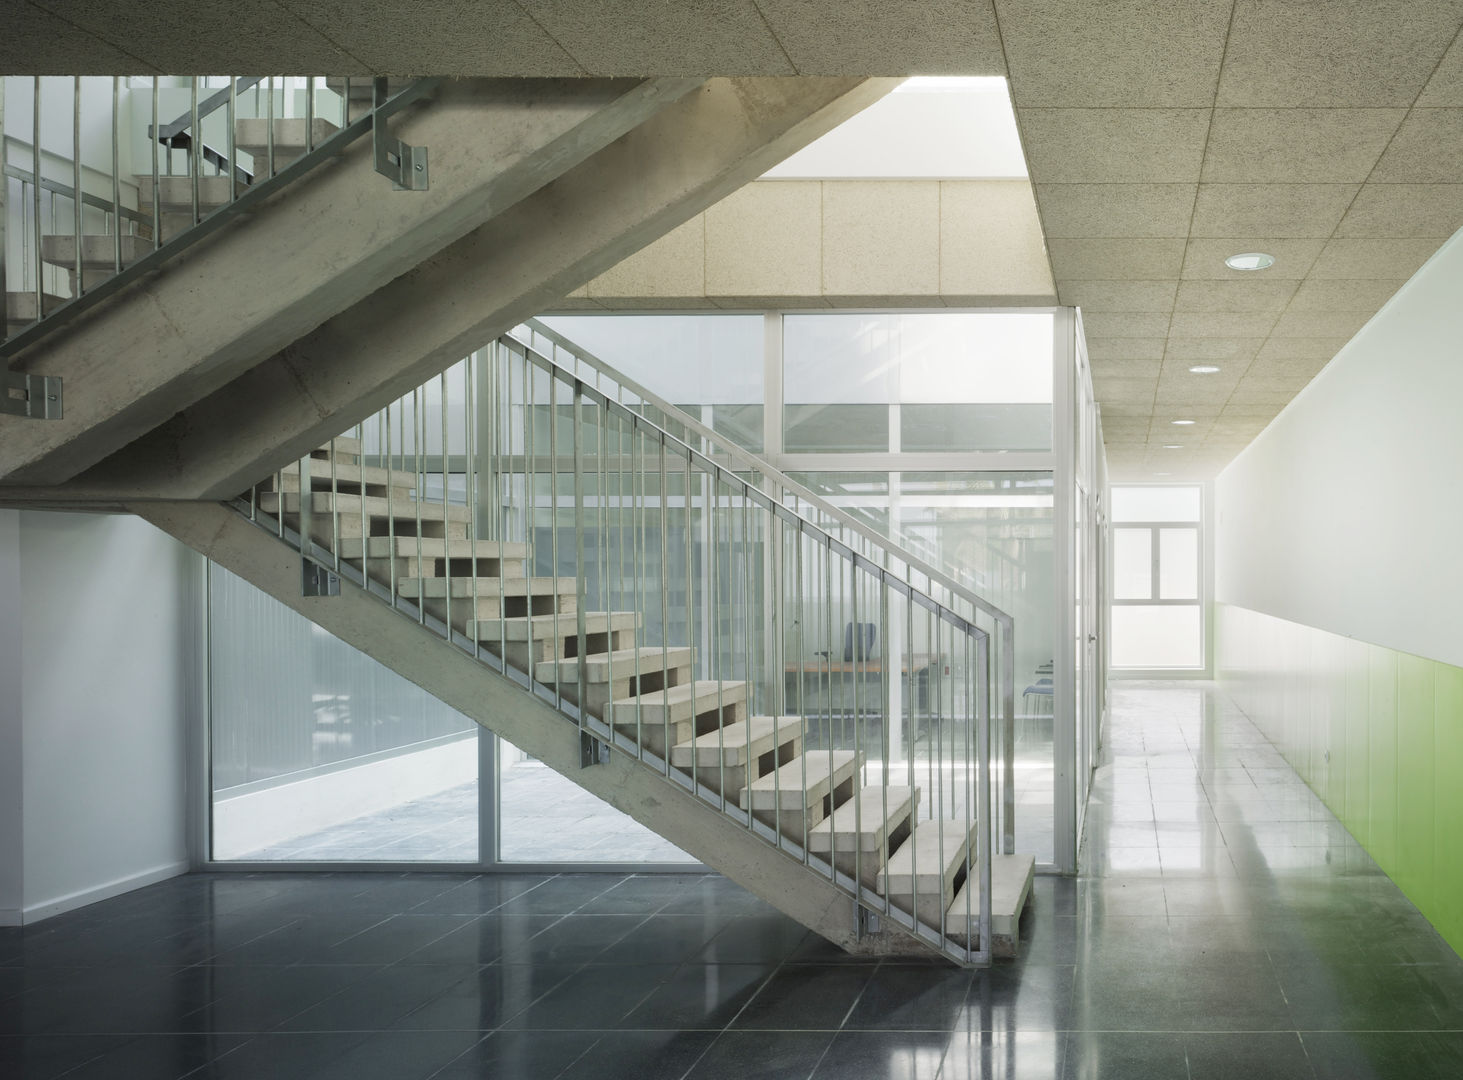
<point x="1223" y="926"/>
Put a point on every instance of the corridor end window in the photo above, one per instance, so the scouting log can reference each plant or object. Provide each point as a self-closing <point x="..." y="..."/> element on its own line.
<point x="1157" y="576"/>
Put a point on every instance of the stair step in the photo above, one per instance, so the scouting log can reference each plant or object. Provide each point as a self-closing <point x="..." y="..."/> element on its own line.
<point x="360" y="88"/>
<point x="341" y="444"/>
<point x="918" y="866"/>
<point x="428" y="547"/>
<point x="20" y="308"/>
<point x="863" y="820"/>
<point x="376" y="506"/>
<point x="435" y="588"/>
<point x="322" y="473"/>
<point x="620" y="664"/>
<point x="251" y="135"/>
<point x="175" y="193"/>
<point x="546" y="627"/>
<point x="802" y="781"/>
<point x="98" y="251"/>
<point x="678" y="701"/>
<point x="1011" y="877"/>
<point x="736" y="744"/>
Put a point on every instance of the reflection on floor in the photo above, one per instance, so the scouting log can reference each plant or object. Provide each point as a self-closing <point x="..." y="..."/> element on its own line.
<point x="1223" y="926"/>
<point x="440" y="828"/>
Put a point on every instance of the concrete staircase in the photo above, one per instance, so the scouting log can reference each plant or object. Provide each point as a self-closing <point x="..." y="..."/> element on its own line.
<point x="757" y="767"/>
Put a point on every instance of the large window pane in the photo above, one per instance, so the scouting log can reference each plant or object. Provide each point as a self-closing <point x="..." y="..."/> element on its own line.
<point x="1155" y="504"/>
<point x="816" y="429"/>
<point x="321" y="753"/>
<point x="1178" y="564"/>
<point x="1132" y="558"/>
<point x="1154" y="636"/>
<point x="950" y="428"/>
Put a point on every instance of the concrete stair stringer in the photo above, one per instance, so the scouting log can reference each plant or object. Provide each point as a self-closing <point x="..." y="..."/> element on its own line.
<point x="676" y="813"/>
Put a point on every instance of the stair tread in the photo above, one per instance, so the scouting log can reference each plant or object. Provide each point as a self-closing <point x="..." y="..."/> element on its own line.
<point x="344" y="472"/>
<point x="252" y="137"/>
<point x="1011" y="877"/>
<point x="323" y="502"/>
<point x="516" y="628"/>
<point x="919" y="857"/>
<point x="176" y="192"/>
<point x="624" y="662"/>
<point x="729" y="745"/>
<point x="381" y="547"/>
<point x="435" y="587"/>
<point x="705" y="690"/>
<point x="842" y="828"/>
<point x="341" y="444"/>
<point x="802" y="780"/>
<point x="98" y="250"/>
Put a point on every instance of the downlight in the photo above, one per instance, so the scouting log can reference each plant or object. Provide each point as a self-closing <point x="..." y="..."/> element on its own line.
<point x="1204" y="369"/>
<point x="1181" y="423"/>
<point x="1250" y="260"/>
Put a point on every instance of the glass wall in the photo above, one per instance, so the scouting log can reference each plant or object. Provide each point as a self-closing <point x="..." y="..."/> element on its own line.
<point x="1158" y="573"/>
<point x="318" y="753"/>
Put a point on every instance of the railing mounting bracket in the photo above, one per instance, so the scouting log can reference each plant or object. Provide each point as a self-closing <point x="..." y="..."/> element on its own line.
<point x="316" y="580"/>
<point x="592" y="751"/>
<point x="405" y="166"/>
<point x="35" y="397"/>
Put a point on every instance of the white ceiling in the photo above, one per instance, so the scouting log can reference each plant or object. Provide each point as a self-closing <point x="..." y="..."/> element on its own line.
<point x="1160" y="137"/>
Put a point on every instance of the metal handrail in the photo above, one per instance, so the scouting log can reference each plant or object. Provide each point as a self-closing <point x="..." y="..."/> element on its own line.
<point x="633" y="478"/>
<point x="747" y="460"/>
<point x="166" y="133"/>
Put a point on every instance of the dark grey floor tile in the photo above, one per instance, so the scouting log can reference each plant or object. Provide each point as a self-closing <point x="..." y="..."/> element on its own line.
<point x="594" y="997"/>
<point x="559" y="895"/>
<point x="41" y="1057"/>
<point x="1254" y="1055"/>
<point x="380" y="998"/>
<point x="1026" y="997"/>
<point x="715" y="894"/>
<point x="640" y="1055"/>
<point x="642" y="894"/>
<point x="1004" y="1055"/>
<point x="282" y="1055"/>
<point x="806" y="997"/>
<point x="1123" y="1055"/>
<point x="478" y="894"/>
<point x="394" y="937"/>
<point x="487" y="998"/>
<point x="762" y="1055"/>
<point x="519" y="1055"/>
<point x="1384" y="1055"/>
<point x="918" y="998"/>
<point x="486" y="939"/>
<point x="754" y="939"/>
<point x="254" y="999"/>
<point x="699" y="996"/>
<point x="574" y="939"/>
<point x="164" y="1057"/>
<point x="1358" y="997"/>
<point x="883" y="1055"/>
<point x="660" y="939"/>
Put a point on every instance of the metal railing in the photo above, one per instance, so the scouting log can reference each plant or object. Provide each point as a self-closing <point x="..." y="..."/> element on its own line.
<point x="674" y="609"/>
<point x="126" y="188"/>
<point x="910" y="557"/>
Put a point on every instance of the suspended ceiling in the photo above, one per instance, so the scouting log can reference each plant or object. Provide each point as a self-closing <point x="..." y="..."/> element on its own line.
<point x="1160" y="137"/>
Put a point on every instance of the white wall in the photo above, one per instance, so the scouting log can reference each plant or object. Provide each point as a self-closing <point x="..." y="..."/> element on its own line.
<point x="1347" y="512"/>
<point x="11" y="850"/>
<point x="111" y="633"/>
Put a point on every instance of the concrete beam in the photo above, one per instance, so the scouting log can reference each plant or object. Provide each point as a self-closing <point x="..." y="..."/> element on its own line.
<point x="418" y="654"/>
<point x="687" y="157"/>
<point x="320" y="246"/>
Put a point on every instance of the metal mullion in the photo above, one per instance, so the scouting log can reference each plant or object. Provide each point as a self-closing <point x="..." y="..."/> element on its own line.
<point x="750" y="665"/>
<point x="553" y="536"/>
<point x="665" y="616"/>
<point x="713" y="611"/>
<point x="580" y="569"/>
<point x="116" y="174"/>
<point x="195" y="146"/>
<point x="446" y="506"/>
<point x="419" y="493"/>
<point x="690" y="624"/>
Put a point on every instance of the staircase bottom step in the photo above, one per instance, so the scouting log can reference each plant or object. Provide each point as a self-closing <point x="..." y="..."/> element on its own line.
<point x="1011" y="878"/>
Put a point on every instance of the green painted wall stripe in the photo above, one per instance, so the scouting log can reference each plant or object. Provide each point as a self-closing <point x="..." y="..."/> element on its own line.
<point x="1376" y="733"/>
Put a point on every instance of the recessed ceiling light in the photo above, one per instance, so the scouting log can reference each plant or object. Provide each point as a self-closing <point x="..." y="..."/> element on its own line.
<point x="1173" y="446"/>
<point x="1250" y="260"/>
<point x="1163" y="474"/>
<point x="1181" y="423"/>
<point x="1204" y="369"/>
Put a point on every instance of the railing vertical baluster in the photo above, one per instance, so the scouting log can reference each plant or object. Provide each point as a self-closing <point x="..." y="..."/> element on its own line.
<point x="419" y="494"/>
<point x="890" y="672"/>
<point x="446" y="504"/>
<point x="393" y="581"/>
<point x="637" y="567"/>
<point x="983" y="810"/>
<point x="1008" y="731"/>
<point x="602" y="555"/>
<point x="195" y="147"/>
<point x="554" y="530"/>
<point x="269" y="129"/>
<point x="335" y="501"/>
<point x="361" y="461"/>
<point x="35" y="170"/>
<point x="470" y="406"/>
<point x="76" y="200"/>
<point x="690" y="622"/>
<point x="749" y="636"/>
<point x="713" y="612"/>
<point x="116" y="175"/>
<point x="230" y="115"/>
<point x="309" y="114"/>
<point x="580" y="566"/>
<point x="665" y="606"/>
<point x="530" y="512"/>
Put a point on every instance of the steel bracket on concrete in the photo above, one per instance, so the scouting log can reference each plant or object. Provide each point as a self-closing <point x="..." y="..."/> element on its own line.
<point x="35" y="397"/>
<point x="316" y="580"/>
<point x="865" y="921"/>
<point x="405" y="166"/>
<point x="592" y="751"/>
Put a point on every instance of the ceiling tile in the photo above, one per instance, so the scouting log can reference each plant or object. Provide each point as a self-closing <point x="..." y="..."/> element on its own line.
<point x="1298" y="349"/>
<point x="1175" y="395"/>
<point x="1127" y="408"/>
<point x="1125" y="324"/>
<point x="1289" y="210"/>
<point x="1342" y="52"/>
<point x="1241" y="412"/>
<point x="1405" y="210"/>
<point x="1240" y="294"/>
<point x="1221" y="324"/>
<point x="1126" y="368"/>
<point x="940" y="37"/>
<point x="1348" y="258"/>
<point x="1345" y="295"/>
<point x="1212" y="349"/>
<point x="1312" y="324"/>
<point x="1274" y="384"/>
<point x="1297" y="146"/>
<point x="1124" y="389"/>
<point x="1195" y="409"/>
<point x="1117" y="295"/>
<point x="1101" y="52"/>
<point x="1427" y="149"/>
<point x="1115" y="259"/>
<point x="1115" y="209"/>
<point x="689" y="39"/>
<point x="1125" y="348"/>
<point x="1113" y="146"/>
<point x="1446" y="85"/>
<point x="1245" y="396"/>
<point x="1204" y="259"/>
<point x="1287" y="367"/>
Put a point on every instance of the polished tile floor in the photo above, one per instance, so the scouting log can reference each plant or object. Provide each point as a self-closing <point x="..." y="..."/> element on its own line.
<point x="1223" y="926"/>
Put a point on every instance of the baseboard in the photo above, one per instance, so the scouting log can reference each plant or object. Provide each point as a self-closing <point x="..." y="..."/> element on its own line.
<point x="61" y="904"/>
<point x="10" y="917"/>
